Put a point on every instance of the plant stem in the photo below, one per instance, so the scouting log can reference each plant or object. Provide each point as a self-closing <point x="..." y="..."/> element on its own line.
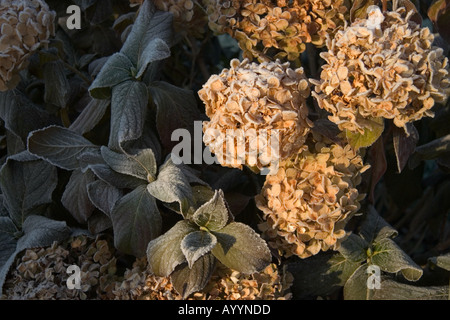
<point x="384" y="5"/>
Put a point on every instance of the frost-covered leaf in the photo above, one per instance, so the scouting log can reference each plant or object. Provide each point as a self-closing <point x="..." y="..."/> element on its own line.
<point x="25" y="186"/>
<point x="187" y="280"/>
<point x="8" y="239"/>
<point x="40" y="231"/>
<point x="136" y="221"/>
<point x="375" y="228"/>
<point x="90" y="116"/>
<point x="150" y="24"/>
<point x="99" y="222"/>
<point x="404" y="145"/>
<point x="103" y="195"/>
<point x="157" y="49"/>
<point x="59" y="146"/>
<point x="439" y="13"/>
<point x="118" y="180"/>
<point x="240" y="248"/>
<point x="171" y="185"/>
<point x="373" y="130"/>
<point x="320" y="274"/>
<point x="356" y="289"/>
<point x="20" y="115"/>
<point x="75" y="196"/>
<point x="128" y="108"/>
<point x="57" y="87"/>
<point x="176" y="109"/>
<point x="196" y="244"/>
<point x="354" y="248"/>
<point x="442" y="261"/>
<point x="141" y="165"/>
<point x="214" y="214"/>
<point x="116" y="70"/>
<point x="391" y="258"/>
<point x="164" y="253"/>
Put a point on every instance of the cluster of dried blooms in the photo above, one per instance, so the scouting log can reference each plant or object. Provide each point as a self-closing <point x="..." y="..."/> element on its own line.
<point x="25" y="26"/>
<point x="307" y="204"/>
<point x="257" y="104"/>
<point x="382" y="66"/>
<point x="281" y="26"/>
<point x="225" y="284"/>
<point x="188" y="17"/>
<point x="40" y="273"/>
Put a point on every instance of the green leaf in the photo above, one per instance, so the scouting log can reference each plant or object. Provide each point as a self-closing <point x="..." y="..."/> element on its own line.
<point x="136" y="221"/>
<point x="59" y="146"/>
<point x="196" y="244"/>
<point x="141" y="165"/>
<point x="393" y="290"/>
<point x="176" y="108"/>
<point x="75" y="197"/>
<point x="188" y="280"/>
<point x="150" y="24"/>
<point x="172" y="185"/>
<point x="240" y="248"/>
<point x="390" y="258"/>
<point x="372" y="131"/>
<point x="354" y="248"/>
<point x="103" y="195"/>
<point x="320" y="274"/>
<point x="164" y="253"/>
<point x="214" y="214"/>
<point x="442" y="261"/>
<point x="157" y="49"/>
<point x="356" y="287"/>
<point x="116" y="70"/>
<point x="128" y="108"/>
<point x="57" y="86"/>
<point x="25" y="186"/>
<point x="90" y="116"/>
<point x="375" y="228"/>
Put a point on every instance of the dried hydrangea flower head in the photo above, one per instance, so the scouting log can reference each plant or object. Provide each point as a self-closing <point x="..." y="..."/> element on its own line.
<point x="40" y="273"/>
<point x="188" y="17"/>
<point x="263" y="106"/>
<point x="383" y="66"/>
<point x="280" y="26"/>
<point x="307" y="204"/>
<point x="25" y="26"/>
<point x="225" y="284"/>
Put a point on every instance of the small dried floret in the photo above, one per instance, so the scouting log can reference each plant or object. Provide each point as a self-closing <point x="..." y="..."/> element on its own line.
<point x="25" y="25"/>
<point x="263" y="106"/>
<point x="307" y="204"/>
<point x="383" y="66"/>
<point x="281" y="26"/>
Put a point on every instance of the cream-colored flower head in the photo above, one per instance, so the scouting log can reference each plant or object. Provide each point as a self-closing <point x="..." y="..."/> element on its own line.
<point x="25" y="25"/>
<point x="263" y="106"/>
<point x="282" y="27"/>
<point x="382" y="66"/>
<point x="307" y="204"/>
